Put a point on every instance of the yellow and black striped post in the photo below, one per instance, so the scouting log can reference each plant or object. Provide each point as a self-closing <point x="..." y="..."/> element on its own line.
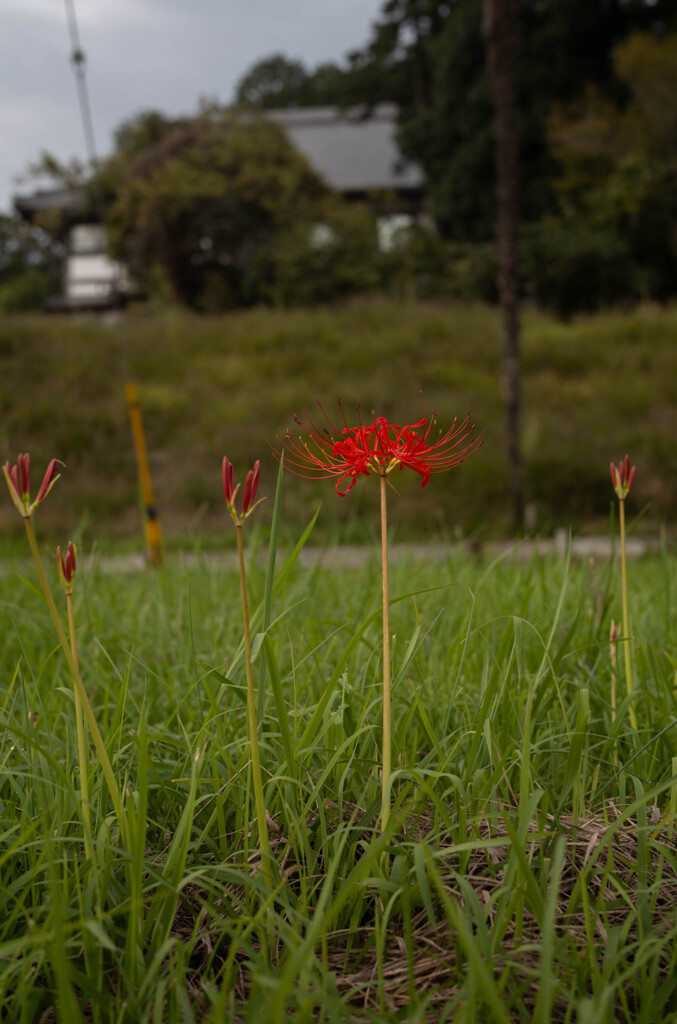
<point x="153" y="530"/>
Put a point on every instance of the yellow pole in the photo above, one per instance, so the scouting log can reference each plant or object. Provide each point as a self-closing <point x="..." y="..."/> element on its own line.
<point x="153" y="530"/>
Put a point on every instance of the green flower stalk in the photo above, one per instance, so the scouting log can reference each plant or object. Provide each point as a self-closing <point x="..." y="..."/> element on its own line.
<point x="67" y="567"/>
<point x="230" y="493"/>
<point x="18" y="482"/>
<point x="378" y="449"/>
<point x="622" y="477"/>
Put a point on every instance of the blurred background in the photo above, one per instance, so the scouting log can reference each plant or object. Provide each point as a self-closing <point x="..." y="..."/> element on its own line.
<point x="245" y="208"/>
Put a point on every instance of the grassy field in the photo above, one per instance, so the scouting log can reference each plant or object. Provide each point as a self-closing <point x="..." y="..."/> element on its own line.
<point x="528" y="872"/>
<point x="593" y="389"/>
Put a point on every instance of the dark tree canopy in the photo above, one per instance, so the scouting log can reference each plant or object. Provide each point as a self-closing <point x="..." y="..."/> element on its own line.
<point x="25" y="247"/>
<point x="174" y="202"/>
<point x="277" y="82"/>
<point x="199" y="204"/>
<point x="428" y="57"/>
<point x="142" y="130"/>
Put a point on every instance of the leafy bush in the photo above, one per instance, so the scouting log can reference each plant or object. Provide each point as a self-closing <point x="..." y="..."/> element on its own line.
<point x="317" y="260"/>
<point x="573" y="267"/>
<point x="204" y="201"/>
<point x="474" y="273"/>
<point x="424" y="266"/>
<point x="26" y="292"/>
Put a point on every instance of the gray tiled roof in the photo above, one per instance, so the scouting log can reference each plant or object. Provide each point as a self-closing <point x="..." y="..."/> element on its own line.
<point x="67" y="200"/>
<point x="352" y="150"/>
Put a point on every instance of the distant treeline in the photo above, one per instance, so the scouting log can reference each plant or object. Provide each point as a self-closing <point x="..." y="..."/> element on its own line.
<point x="215" y="210"/>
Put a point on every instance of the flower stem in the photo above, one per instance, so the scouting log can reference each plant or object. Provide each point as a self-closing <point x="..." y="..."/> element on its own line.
<point x="386" y="752"/>
<point x="82" y="743"/>
<point x="266" y="854"/>
<point x="77" y="681"/>
<point x="626" y="621"/>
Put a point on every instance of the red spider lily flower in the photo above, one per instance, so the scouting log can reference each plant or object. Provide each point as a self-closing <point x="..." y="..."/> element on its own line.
<point x="19" y="483"/>
<point x="230" y="492"/>
<point x="67" y="567"/>
<point x="622" y="476"/>
<point x="377" y="448"/>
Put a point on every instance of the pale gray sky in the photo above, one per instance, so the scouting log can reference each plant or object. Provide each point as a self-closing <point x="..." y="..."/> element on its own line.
<point x="146" y="54"/>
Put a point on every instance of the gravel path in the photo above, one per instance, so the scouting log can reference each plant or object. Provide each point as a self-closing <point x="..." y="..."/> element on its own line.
<point x="353" y="556"/>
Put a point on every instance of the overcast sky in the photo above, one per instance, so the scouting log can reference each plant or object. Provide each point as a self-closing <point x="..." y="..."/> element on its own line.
<point x="146" y="54"/>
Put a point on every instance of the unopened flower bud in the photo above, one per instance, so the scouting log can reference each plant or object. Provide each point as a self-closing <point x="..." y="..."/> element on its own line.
<point x="49" y="479"/>
<point x="230" y="492"/>
<point x="18" y="479"/>
<point x="251" y="485"/>
<point x="227" y="472"/>
<point x="24" y="464"/>
<point x="67" y="567"/>
<point x="622" y="476"/>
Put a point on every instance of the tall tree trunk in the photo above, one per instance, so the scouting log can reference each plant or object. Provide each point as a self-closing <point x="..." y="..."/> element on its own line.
<point x="500" y="37"/>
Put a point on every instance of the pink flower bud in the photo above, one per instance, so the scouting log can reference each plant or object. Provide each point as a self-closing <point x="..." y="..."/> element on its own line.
<point x="71" y="559"/>
<point x="50" y="478"/>
<point x="19" y="483"/>
<point x="12" y="478"/>
<point x="227" y="472"/>
<point x="622" y="477"/>
<point x="251" y="485"/>
<point x="67" y="567"/>
<point x="249" y="493"/>
<point x="24" y="463"/>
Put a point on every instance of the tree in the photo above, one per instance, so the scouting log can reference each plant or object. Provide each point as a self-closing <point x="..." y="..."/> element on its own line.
<point x="143" y="130"/>
<point x="428" y="57"/>
<point x="199" y="204"/>
<point x="500" y="32"/>
<point x="278" y="82"/>
<point x="618" y="171"/>
<point x="275" y="81"/>
<point x="30" y="265"/>
<point x="397" y="65"/>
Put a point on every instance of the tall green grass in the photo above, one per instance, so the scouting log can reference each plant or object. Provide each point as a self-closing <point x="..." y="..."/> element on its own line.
<point x="208" y="386"/>
<point x="528" y="871"/>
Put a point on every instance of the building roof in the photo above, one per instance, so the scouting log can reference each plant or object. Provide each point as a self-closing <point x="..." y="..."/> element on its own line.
<point x="69" y="201"/>
<point x="354" y="151"/>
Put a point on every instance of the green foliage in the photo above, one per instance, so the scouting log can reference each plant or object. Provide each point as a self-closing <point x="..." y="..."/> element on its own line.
<point x="205" y="200"/>
<point x="423" y="265"/>
<point x="428" y="57"/>
<point x="473" y="272"/>
<point x="318" y="259"/>
<point x="619" y="174"/>
<point x="596" y="103"/>
<point x="594" y="388"/>
<point x="533" y="834"/>
<point x="26" y="291"/>
<point x="145" y="129"/>
<point x="30" y="253"/>
<point x="573" y="267"/>
<point x="30" y="264"/>
<point x="648" y="68"/>
<point x="277" y="82"/>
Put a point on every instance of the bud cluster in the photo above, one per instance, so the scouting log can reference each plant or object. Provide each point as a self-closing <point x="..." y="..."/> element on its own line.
<point x="622" y="476"/>
<point x="230" y="491"/>
<point x="67" y="567"/>
<point x="18" y="479"/>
